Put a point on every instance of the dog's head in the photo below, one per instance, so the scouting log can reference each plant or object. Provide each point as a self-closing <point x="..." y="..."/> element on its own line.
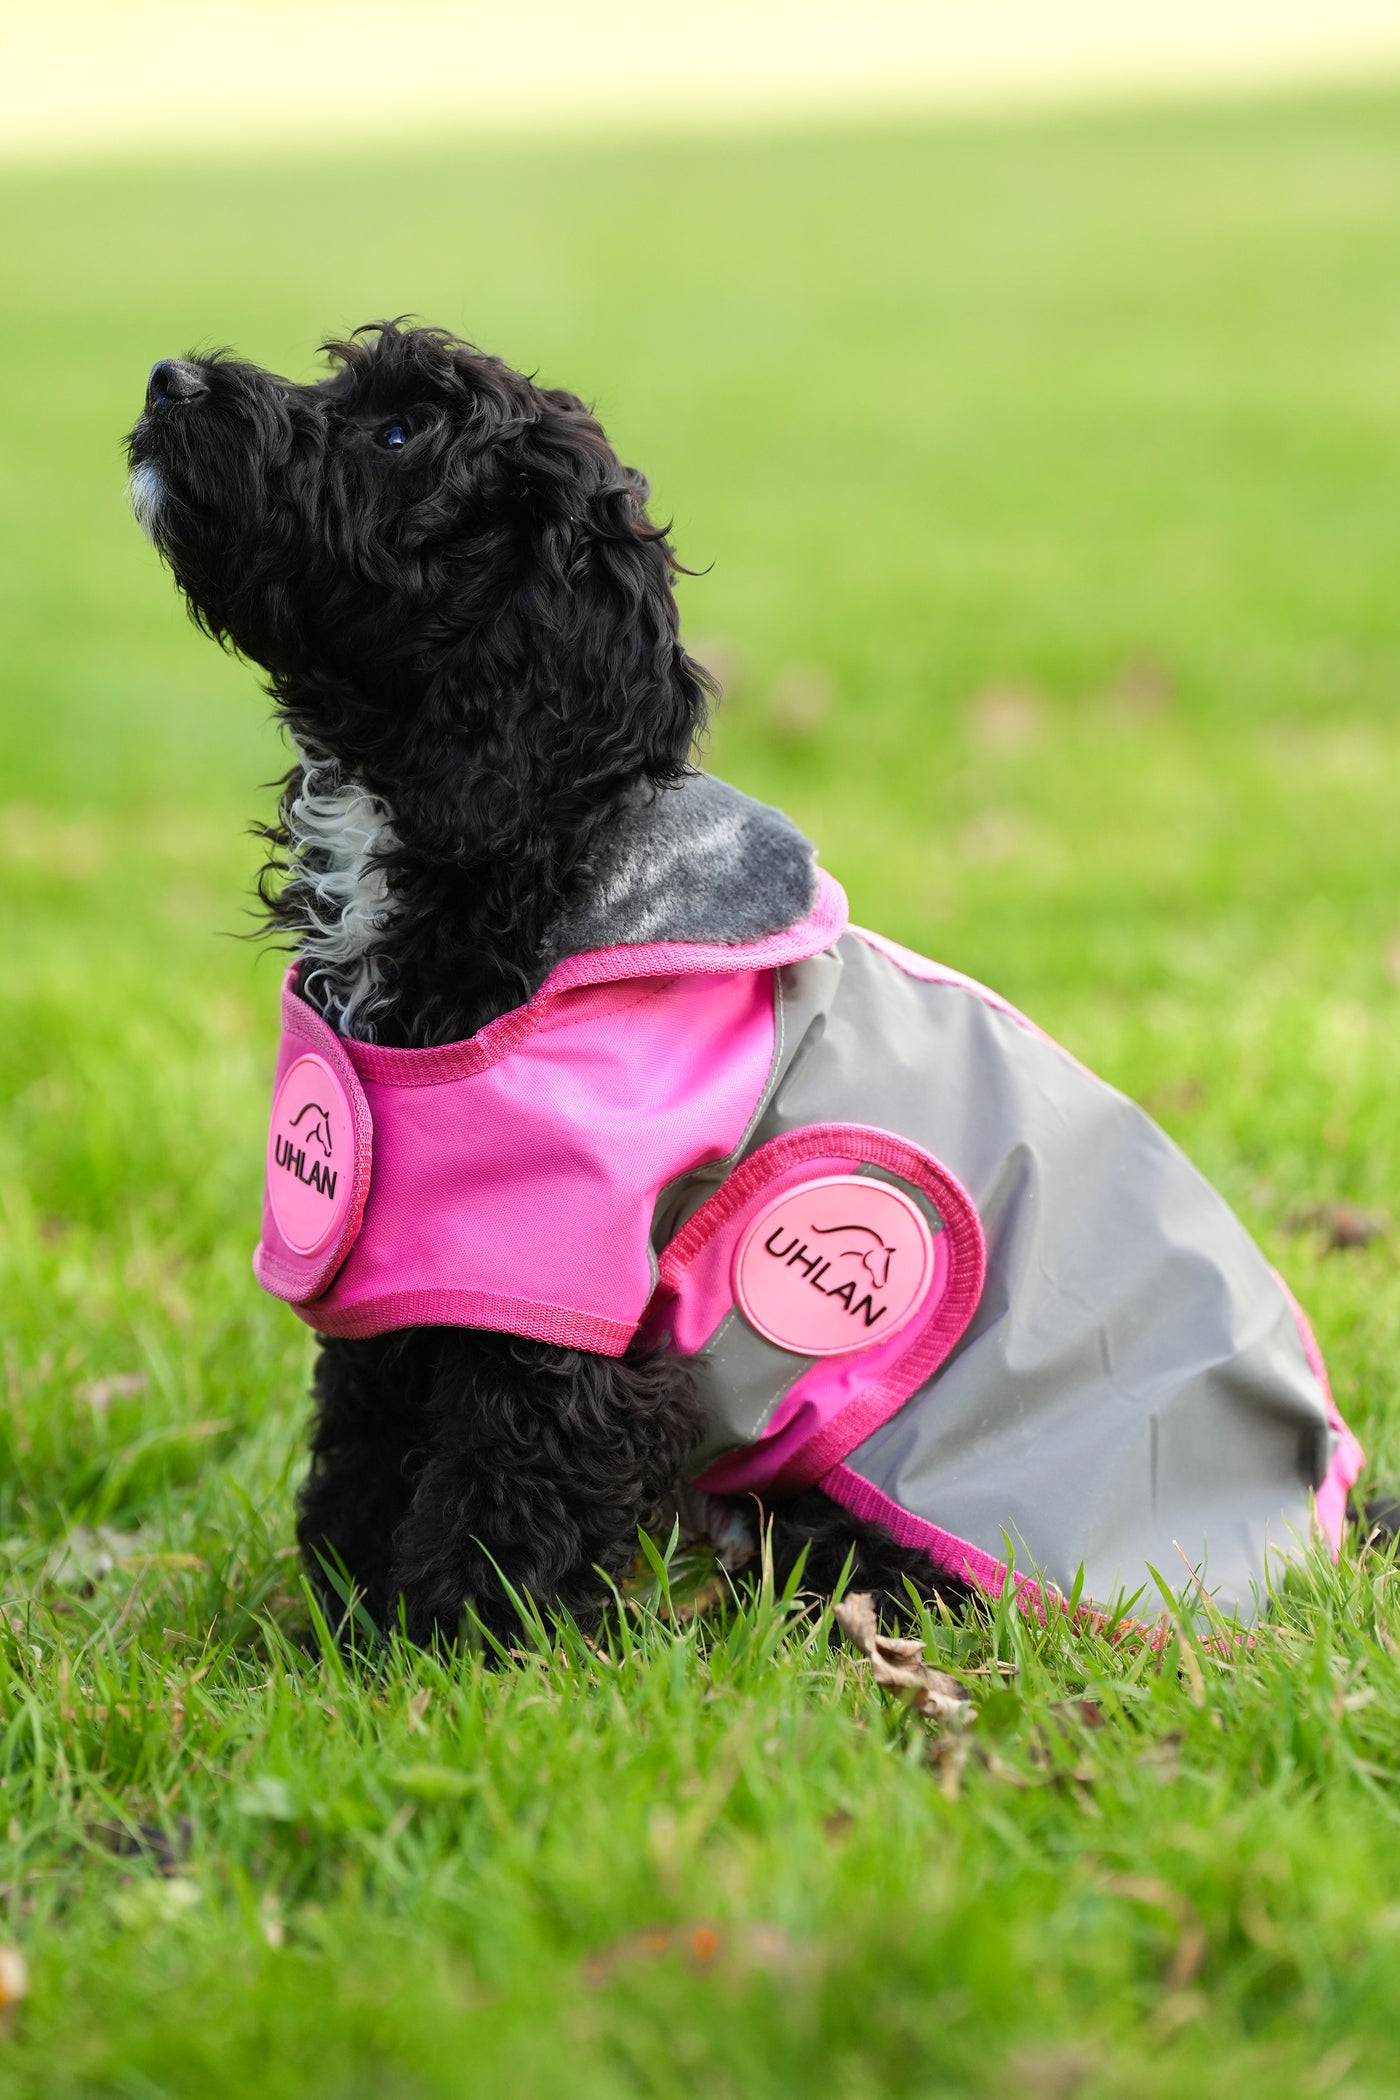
<point x="448" y="575"/>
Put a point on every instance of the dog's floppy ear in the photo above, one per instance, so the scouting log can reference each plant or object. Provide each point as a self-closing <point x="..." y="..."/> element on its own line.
<point x="575" y="685"/>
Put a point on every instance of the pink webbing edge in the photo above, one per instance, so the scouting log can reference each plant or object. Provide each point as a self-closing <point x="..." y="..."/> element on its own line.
<point x="825" y="923"/>
<point x="949" y="1554"/>
<point x="562" y="1324"/>
<point x="930" y="1344"/>
<point x="1330" y="1500"/>
<point x="965" y="1562"/>
<point x="927" y="972"/>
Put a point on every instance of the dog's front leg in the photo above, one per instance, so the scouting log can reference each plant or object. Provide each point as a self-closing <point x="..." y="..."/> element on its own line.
<point x="367" y="1444"/>
<point x="542" y="1462"/>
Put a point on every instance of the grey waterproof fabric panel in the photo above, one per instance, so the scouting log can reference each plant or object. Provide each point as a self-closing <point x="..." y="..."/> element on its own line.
<point x="1133" y="1388"/>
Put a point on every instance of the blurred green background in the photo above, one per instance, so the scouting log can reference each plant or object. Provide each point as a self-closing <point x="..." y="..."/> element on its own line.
<point x="1043" y="478"/>
<point x="1043" y="481"/>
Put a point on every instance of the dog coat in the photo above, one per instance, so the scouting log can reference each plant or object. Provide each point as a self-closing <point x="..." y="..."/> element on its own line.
<point x="919" y="1256"/>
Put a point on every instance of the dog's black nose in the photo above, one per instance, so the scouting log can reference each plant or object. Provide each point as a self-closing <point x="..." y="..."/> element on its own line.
<point x="174" y="380"/>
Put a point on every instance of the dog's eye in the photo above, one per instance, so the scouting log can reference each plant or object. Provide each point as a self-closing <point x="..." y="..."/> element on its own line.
<point x="393" y="437"/>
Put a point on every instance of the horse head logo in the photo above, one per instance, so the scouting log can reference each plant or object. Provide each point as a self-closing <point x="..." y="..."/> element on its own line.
<point x="870" y="1251"/>
<point x="318" y="1129"/>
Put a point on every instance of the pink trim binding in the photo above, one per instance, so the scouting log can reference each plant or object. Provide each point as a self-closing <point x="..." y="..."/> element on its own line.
<point x="1348" y="1458"/>
<point x="931" y="1343"/>
<point x="948" y="1553"/>
<point x="561" y="1324"/>
<point x="967" y="1563"/>
<point x="299" y="1278"/>
<point x="914" y="965"/>
<point x="825" y="923"/>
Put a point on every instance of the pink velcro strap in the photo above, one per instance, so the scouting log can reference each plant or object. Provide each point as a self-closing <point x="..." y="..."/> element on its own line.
<point x="320" y="1145"/>
<point x="846" y="1392"/>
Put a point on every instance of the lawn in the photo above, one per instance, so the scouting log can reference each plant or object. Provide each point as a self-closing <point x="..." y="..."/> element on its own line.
<point x="1043" y="481"/>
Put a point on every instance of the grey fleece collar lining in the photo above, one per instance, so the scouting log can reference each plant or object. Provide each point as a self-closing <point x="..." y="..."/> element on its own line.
<point x="700" y="862"/>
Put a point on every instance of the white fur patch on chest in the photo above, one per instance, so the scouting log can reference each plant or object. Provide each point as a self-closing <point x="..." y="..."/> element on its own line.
<point x="338" y="832"/>
<point x="145" y="493"/>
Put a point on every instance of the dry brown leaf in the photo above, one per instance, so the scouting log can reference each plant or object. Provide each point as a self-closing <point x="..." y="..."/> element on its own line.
<point x="708" y="1597"/>
<point x="724" y="659"/>
<point x="1005" y="718"/>
<point x="1049" y="2074"/>
<point x="69" y="848"/>
<point x="801" y="701"/>
<point x="1077" y="1713"/>
<point x="1010" y="1775"/>
<point x="701" y="1946"/>
<point x="991" y="838"/>
<point x="947" y="1754"/>
<point x="1145" y="1888"/>
<point x="1176" y="1097"/>
<point x="1162" y="1759"/>
<point x="1190" y="1953"/>
<point x="1341" y="1225"/>
<point x="1190" y="1950"/>
<point x="14" y="1986"/>
<point x="900" y="1664"/>
<point x="1143" y="688"/>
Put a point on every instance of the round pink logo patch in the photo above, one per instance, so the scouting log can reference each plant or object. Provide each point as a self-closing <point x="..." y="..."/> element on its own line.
<point x="837" y="1264"/>
<point x="310" y="1156"/>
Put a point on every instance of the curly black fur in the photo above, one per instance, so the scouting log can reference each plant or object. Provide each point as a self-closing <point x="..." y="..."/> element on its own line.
<point x="475" y="623"/>
<point x="503" y="1455"/>
<point x="812" y="1528"/>
<point x="1377" y="1520"/>
<point x="464" y="610"/>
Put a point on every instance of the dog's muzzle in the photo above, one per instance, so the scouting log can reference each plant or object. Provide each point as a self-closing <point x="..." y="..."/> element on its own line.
<point x="174" y="380"/>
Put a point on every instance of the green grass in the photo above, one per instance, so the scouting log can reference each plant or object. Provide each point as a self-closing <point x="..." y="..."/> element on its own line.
<point x="1049" y="476"/>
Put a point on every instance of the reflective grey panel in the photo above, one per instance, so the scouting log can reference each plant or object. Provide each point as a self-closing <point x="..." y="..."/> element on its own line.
<point x="1133" y="1387"/>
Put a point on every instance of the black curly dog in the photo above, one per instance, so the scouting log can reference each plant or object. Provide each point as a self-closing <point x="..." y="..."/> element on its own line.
<point x="469" y="629"/>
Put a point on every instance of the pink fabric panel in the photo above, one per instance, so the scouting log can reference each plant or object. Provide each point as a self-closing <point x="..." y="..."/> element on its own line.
<point x="611" y="968"/>
<point x="531" y="1181"/>
<point x="1348" y="1458"/>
